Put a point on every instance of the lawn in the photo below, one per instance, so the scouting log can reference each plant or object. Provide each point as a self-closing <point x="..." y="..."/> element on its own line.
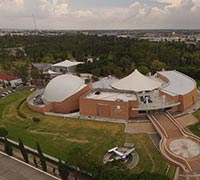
<point x="59" y="137"/>
<point x="196" y="127"/>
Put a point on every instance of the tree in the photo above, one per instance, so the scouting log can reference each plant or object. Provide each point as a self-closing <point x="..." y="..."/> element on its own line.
<point x="148" y="176"/>
<point x="22" y="71"/>
<point x="35" y="161"/>
<point x="63" y="170"/>
<point x="143" y="70"/>
<point x="157" y="65"/>
<point x="76" y="174"/>
<point x="8" y="148"/>
<point x="42" y="158"/>
<point x="3" y="132"/>
<point x="4" y="85"/>
<point x="118" y="171"/>
<point x="112" y="171"/>
<point x="23" y="151"/>
<point x="35" y="74"/>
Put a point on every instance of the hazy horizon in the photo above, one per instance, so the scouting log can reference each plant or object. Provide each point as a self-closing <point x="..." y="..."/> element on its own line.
<point x="32" y="29"/>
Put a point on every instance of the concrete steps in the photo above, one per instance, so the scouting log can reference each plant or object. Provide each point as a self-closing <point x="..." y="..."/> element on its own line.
<point x="166" y="153"/>
<point x="169" y="129"/>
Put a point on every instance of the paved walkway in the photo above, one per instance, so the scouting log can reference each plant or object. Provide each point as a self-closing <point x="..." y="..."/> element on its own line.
<point x="77" y="115"/>
<point x="177" y="145"/>
<point x="147" y="127"/>
<point x="191" y="176"/>
<point x="137" y="127"/>
<point x="11" y="169"/>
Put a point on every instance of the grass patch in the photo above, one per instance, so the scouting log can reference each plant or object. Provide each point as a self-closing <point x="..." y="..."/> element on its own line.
<point x="195" y="128"/>
<point x="58" y="136"/>
<point x="150" y="158"/>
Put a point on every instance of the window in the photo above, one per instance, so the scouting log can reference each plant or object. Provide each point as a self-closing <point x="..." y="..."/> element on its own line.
<point x="118" y="107"/>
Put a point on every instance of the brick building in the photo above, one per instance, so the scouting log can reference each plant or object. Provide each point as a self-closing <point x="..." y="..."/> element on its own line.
<point x="123" y="99"/>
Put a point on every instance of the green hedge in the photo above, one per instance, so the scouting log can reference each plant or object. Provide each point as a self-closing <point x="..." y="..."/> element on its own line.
<point x="19" y="113"/>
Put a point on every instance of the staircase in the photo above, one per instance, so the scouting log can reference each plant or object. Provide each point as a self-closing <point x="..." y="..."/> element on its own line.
<point x="169" y="129"/>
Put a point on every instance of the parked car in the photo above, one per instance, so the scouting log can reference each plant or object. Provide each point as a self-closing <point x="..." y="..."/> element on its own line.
<point x="2" y="95"/>
<point x="10" y="92"/>
<point x="6" y="93"/>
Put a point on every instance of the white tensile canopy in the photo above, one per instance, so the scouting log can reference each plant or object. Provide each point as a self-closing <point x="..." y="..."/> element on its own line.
<point x="53" y="72"/>
<point x="67" y="63"/>
<point x="136" y="82"/>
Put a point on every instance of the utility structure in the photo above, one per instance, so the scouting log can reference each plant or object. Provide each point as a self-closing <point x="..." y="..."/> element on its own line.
<point x="34" y="22"/>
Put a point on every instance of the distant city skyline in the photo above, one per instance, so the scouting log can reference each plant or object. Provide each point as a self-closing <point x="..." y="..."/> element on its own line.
<point x="104" y="14"/>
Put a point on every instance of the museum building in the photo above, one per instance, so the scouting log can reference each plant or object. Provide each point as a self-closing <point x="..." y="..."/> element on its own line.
<point x="129" y="97"/>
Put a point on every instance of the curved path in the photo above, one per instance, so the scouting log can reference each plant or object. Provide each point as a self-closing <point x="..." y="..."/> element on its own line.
<point x="177" y="145"/>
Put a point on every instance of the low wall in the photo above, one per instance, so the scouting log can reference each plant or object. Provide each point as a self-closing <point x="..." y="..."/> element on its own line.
<point x="40" y="109"/>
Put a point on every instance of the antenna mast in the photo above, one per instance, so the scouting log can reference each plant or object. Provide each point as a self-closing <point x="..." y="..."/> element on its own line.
<point x="34" y="22"/>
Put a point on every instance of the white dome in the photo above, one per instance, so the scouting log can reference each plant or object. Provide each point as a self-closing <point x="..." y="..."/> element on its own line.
<point x="62" y="87"/>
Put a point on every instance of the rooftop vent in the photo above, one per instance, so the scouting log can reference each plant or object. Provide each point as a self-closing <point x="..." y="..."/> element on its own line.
<point x="97" y="93"/>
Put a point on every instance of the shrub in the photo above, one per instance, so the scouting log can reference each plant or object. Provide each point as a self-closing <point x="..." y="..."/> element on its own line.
<point x="36" y="119"/>
<point x="19" y="105"/>
<point x="23" y="151"/>
<point x="63" y="170"/>
<point x="35" y="161"/>
<point x="20" y="114"/>
<point x="42" y="158"/>
<point x="8" y="148"/>
<point x="3" y="132"/>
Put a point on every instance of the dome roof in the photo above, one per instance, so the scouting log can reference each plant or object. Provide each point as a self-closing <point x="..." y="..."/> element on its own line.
<point x="136" y="82"/>
<point x="62" y="87"/>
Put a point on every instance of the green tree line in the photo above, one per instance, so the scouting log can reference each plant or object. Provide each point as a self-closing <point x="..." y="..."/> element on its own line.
<point x="111" y="55"/>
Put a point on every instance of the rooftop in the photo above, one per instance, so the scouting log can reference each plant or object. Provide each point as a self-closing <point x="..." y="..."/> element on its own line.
<point x="7" y="77"/>
<point x="67" y="63"/>
<point x="111" y="96"/>
<point x="153" y="101"/>
<point x="136" y="82"/>
<point x="179" y="83"/>
<point x="62" y="87"/>
<point x="105" y="83"/>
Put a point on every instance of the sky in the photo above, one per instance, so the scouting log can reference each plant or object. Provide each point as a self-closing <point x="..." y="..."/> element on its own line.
<point x="100" y="14"/>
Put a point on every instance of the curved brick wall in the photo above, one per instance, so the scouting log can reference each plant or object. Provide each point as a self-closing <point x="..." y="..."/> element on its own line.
<point x="187" y="100"/>
<point x="68" y="105"/>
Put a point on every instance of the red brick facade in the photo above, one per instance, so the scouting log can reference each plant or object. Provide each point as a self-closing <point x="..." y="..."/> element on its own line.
<point x="186" y="100"/>
<point x="68" y="105"/>
<point x="109" y="109"/>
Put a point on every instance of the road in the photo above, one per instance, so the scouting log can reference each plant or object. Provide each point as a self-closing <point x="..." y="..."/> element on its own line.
<point x="11" y="169"/>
